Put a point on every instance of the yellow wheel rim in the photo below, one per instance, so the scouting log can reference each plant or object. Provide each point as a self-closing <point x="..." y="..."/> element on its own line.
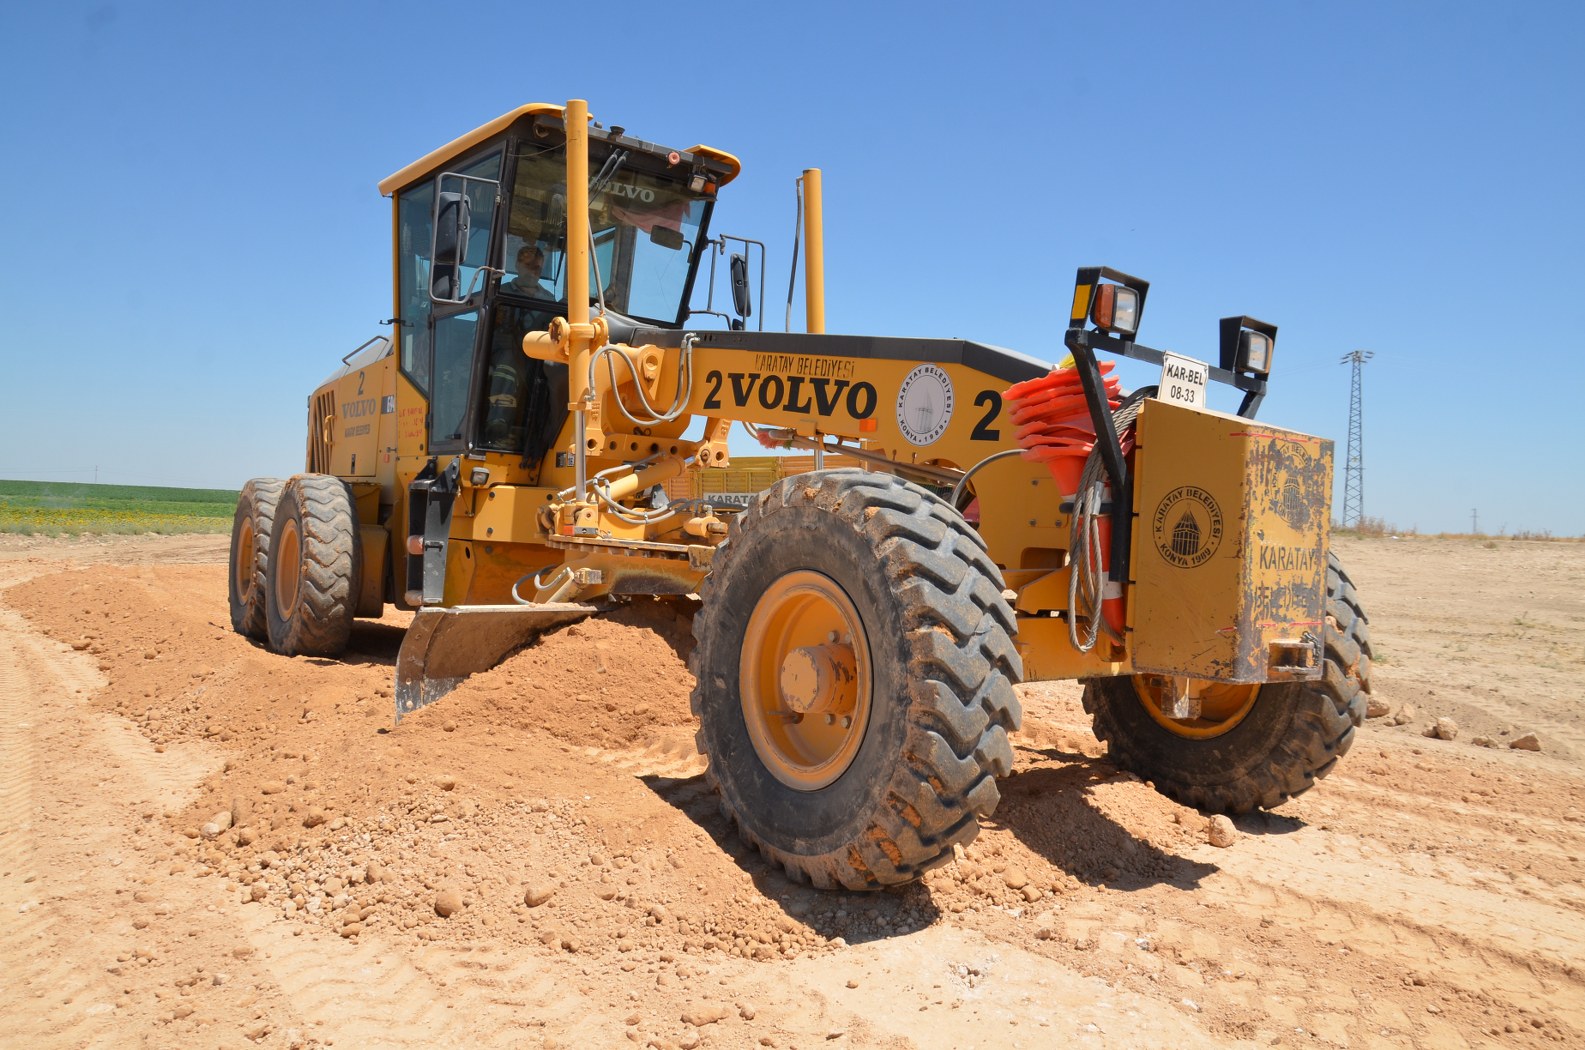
<point x="285" y="568"/>
<point x="804" y="680"/>
<point x="1222" y="706"/>
<point x="242" y="572"/>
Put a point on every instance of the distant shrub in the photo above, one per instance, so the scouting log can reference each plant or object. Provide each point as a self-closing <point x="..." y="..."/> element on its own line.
<point x="1372" y="527"/>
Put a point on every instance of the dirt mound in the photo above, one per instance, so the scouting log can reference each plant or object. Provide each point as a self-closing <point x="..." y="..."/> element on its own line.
<point x="566" y="775"/>
<point x="615" y="681"/>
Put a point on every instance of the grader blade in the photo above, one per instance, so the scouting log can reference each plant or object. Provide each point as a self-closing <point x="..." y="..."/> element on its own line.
<point x="444" y="646"/>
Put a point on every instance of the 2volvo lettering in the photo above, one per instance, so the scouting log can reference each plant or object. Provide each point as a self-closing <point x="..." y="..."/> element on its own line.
<point x="801" y="394"/>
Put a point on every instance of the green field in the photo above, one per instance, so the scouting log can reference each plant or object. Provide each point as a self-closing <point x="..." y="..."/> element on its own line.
<point x="64" y="508"/>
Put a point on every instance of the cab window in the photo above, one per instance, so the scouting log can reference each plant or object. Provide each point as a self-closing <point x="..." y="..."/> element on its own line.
<point x="645" y="228"/>
<point x="479" y="182"/>
<point x="414" y="213"/>
<point x="455" y="326"/>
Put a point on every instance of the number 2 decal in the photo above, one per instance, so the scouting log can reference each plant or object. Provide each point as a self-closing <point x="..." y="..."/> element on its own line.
<point x="983" y="431"/>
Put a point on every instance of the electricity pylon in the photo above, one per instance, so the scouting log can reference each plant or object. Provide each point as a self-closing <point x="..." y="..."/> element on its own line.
<point x="1354" y="466"/>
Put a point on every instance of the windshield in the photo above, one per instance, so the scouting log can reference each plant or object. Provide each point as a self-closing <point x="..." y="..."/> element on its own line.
<point x="645" y="228"/>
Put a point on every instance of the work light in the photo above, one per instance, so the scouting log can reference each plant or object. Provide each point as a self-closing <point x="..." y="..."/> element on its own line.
<point x="1247" y="345"/>
<point x="1115" y="309"/>
<point x="1254" y="352"/>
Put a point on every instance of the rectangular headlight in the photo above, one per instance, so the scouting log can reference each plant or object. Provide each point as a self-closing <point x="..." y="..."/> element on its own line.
<point x="1115" y="309"/>
<point x="1247" y="345"/>
<point x="1254" y="352"/>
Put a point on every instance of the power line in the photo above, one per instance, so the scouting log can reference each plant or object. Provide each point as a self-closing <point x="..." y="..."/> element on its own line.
<point x="1354" y="465"/>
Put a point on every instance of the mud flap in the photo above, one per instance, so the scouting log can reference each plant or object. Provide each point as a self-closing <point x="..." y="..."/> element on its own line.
<point x="444" y="646"/>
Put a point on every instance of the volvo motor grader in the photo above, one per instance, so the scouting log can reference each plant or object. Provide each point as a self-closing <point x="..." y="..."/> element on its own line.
<point x="497" y="464"/>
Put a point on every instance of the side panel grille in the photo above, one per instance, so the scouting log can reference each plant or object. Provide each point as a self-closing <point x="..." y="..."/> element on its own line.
<point x="321" y="415"/>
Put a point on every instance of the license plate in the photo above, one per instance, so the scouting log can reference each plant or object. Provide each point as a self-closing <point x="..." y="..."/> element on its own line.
<point x="1183" y="380"/>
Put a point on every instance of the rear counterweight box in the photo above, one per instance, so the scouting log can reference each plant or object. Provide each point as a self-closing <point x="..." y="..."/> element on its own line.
<point x="1228" y="559"/>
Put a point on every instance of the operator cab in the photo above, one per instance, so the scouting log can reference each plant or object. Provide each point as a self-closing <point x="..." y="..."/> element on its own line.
<point x="481" y="259"/>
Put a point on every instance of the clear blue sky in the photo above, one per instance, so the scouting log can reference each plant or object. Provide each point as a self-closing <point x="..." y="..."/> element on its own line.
<point x="193" y="235"/>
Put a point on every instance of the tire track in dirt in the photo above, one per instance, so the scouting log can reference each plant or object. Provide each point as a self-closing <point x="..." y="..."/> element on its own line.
<point x="375" y="994"/>
<point x="166" y="779"/>
<point x="1478" y="947"/>
<point x="46" y="998"/>
<point x="1478" y="833"/>
<point x="18" y="761"/>
<point x="365" y="995"/>
<point x="1441" y="881"/>
<point x="529" y="991"/>
<point x="106" y="862"/>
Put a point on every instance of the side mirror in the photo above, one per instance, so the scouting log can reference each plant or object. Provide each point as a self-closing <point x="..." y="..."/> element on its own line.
<point x="741" y="300"/>
<point x="452" y="217"/>
<point x="666" y="237"/>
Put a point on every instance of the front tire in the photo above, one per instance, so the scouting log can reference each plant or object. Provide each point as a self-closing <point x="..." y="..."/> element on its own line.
<point x="315" y="563"/>
<point x="248" y="567"/>
<point x="854" y="679"/>
<point x="1254" y="746"/>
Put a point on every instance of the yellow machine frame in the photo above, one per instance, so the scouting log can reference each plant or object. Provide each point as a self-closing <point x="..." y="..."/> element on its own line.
<point x="860" y="632"/>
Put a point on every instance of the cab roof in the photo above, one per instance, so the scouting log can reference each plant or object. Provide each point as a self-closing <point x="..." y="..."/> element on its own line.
<point x="728" y="164"/>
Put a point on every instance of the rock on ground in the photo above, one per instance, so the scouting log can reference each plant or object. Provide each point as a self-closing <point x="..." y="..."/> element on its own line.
<point x="448" y="902"/>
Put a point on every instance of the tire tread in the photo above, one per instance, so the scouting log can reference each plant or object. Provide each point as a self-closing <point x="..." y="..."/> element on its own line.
<point x="1329" y="709"/>
<point x="256" y="505"/>
<point x="963" y="666"/>
<point x="328" y="572"/>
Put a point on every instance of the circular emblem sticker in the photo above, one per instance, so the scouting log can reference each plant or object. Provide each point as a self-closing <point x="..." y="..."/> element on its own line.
<point x="1187" y="526"/>
<point x="1291" y="476"/>
<point x="924" y="404"/>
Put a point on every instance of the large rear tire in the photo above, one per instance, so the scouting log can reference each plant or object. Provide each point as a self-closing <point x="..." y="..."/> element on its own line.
<point x="1254" y="746"/>
<point x="854" y="679"/>
<point x="315" y="563"/>
<point x="250" y="555"/>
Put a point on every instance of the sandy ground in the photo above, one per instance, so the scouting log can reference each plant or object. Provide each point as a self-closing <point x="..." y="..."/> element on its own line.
<point x="1428" y="894"/>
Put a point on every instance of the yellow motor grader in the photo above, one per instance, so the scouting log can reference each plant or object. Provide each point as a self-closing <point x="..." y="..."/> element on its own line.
<point x="497" y="464"/>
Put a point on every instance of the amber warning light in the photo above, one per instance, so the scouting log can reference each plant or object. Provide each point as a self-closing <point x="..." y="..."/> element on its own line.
<point x="1115" y="309"/>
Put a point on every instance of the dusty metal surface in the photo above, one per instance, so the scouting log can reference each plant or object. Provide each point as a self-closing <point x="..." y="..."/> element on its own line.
<point x="1229" y="569"/>
<point x="1288" y="480"/>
